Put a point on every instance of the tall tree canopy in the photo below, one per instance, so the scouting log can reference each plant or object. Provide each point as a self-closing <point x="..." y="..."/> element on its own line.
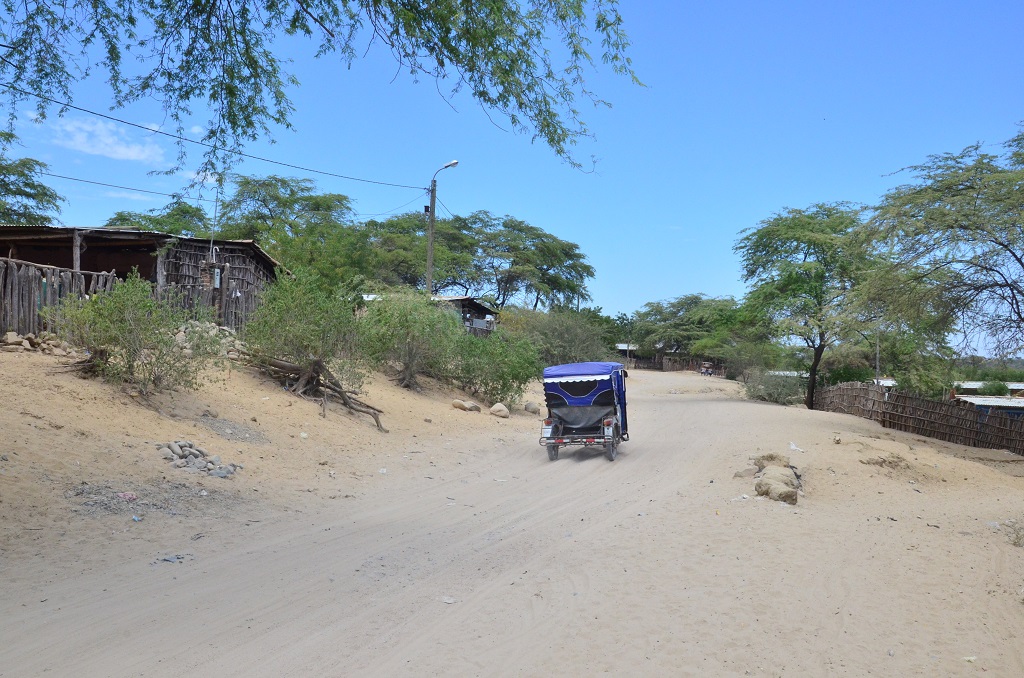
<point x="518" y="261"/>
<point x="692" y="324"/>
<point x="24" y="199"/>
<point x="177" y="218"/>
<point x="524" y="59"/>
<point x="962" y="225"/>
<point x="803" y="266"/>
<point x="293" y="222"/>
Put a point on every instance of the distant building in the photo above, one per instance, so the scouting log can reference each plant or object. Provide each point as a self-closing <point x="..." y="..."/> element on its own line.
<point x="478" y="318"/>
<point x="1011" y="406"/>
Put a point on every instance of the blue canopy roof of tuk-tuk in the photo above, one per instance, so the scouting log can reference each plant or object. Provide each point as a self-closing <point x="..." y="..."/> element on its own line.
<point x="593" y="370"/>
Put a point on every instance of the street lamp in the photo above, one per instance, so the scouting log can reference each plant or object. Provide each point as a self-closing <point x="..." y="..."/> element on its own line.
<point x="430" y="227"/>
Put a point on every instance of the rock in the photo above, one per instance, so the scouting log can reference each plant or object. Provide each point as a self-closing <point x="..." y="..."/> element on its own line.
<point x="25" y="344"/>
<point x="471" y="406"/>
<point x="745" y="473"/>
<point x="166" y="453"/>
<point x="221" y="472"/>
<point x="12" y="349"/>
<point x="175" y="448"/>
<point x="499" y="410"/>
<point x="215" y="460"/>
<point x="12" y="338"/>
<point x="59" y="352"/>
<point x="33" y="340"/>
<point x="181" y="463"/>
<point x="765" y="460"/>
<point x="778" y="484"/>
<point x="459" y="405"/>
<point x="532" y="408"/>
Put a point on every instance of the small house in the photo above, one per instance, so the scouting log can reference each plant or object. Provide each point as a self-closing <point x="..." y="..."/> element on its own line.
<point x="39" y="265"/>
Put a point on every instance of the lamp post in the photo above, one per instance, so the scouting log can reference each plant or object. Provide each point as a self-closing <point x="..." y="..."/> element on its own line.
<point x="430" y="227"/>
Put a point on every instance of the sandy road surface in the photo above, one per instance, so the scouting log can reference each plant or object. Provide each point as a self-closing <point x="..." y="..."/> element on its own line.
<point x="485" y="559"/>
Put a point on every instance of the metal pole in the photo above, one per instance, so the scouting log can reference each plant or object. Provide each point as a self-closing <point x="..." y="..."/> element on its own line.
<point x="430" y="235"/>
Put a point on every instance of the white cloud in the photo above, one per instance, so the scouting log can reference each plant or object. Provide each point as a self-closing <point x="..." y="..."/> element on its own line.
<point x="100" y="137"/>
<point x="197" y="130"/>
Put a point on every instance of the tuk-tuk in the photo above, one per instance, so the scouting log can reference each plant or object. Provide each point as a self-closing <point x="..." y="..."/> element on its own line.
<point x="586" y="406"/>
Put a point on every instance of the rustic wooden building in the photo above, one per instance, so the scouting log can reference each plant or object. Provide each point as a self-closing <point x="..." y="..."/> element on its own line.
<point x="39" y="265"/>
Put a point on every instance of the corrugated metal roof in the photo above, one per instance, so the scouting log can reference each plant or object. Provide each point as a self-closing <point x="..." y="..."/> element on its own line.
<point x="1012" y="385"/>
<point x="994" y="401"/>
<point x="29" y="233"/>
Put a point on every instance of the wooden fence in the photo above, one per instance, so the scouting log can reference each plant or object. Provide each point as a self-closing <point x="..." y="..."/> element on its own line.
<point x="26" y="288"/>
<point x="954" y="421"/>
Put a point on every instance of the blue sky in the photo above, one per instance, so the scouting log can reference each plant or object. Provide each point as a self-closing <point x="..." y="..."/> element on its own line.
<point x="749" y="108"/>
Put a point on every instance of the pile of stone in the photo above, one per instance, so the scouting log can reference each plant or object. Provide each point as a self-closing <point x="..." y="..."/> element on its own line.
<point x="44" y="342"/>
<point x="777" y="479"/>
<point x="230" y="345"/>
<point x="189" y="457"/>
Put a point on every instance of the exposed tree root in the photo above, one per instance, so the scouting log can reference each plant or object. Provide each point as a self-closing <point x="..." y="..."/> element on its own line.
<point x="317" y="383"/>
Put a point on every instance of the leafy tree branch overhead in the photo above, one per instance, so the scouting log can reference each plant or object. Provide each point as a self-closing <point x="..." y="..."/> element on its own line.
<point x="523" y="59"/>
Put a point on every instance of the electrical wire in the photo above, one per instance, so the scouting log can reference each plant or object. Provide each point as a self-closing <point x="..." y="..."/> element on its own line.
<point x="391" y="211"/>
<point x="450" y="213"/>
<point x="127" y="188"/>
<point x="203" y="144"/>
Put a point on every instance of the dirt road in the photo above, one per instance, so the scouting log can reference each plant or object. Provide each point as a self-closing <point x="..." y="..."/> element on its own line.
<point x="473" y="555"/>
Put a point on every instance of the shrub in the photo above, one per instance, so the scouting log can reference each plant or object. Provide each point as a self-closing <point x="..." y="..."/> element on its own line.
<point x="774" y="388"/>
<point x="311" y="325"/>
<point x="408" y="330"/>
<point x="497" y="367"/>
<point x="133" y="338"/>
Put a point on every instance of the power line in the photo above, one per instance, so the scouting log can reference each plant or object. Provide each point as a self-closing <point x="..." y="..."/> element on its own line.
<point x="378" y="214"/>
<point x="126" y="188"/>
<point x="203" y="144"/>
<point x="450" y="213"/>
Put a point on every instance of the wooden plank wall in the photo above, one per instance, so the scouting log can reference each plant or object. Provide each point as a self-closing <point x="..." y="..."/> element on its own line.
<point x="26" y="288"/>
<point x="187" y="271"/>
<point x="955" y="421"/>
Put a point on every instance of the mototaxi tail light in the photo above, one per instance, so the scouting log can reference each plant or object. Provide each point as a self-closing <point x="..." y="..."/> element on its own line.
<point x="607" y="422"/>
<point x="548" y="422"/>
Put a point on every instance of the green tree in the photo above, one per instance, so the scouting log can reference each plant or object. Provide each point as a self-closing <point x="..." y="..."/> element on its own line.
<point x="295" y="224"/>
<point x="803" y="266"/>
<point x="24" y="199"/>
<point x="560" y="336"/>
<point x="398" y="253"/>
<point x="501" y="52"/>
<point x="961" y="225"/>
<point x="177" y="218"/>
<point x="693" y="324"/>
<point x="519" y="261"/>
